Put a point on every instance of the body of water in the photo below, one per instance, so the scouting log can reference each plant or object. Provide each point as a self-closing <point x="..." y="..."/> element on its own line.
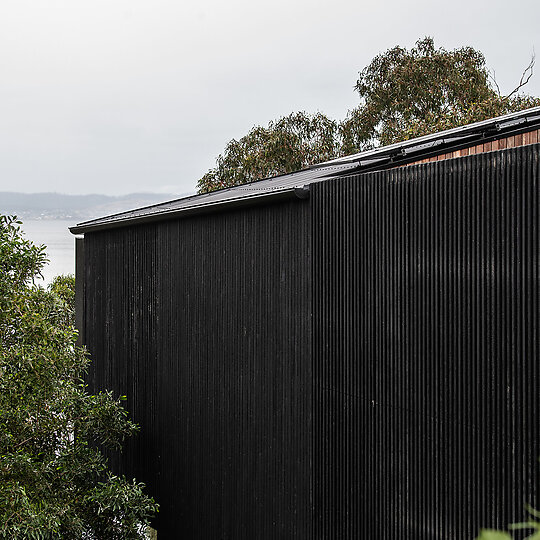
<point x="54" y="233"/>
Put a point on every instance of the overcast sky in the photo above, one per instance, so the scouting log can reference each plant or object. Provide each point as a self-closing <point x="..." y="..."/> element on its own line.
<point x="117" y="96"/>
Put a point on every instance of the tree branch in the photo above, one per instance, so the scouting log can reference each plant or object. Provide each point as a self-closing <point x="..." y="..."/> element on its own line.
<point x="525" y="76"/>
<point x="491" y="76"/>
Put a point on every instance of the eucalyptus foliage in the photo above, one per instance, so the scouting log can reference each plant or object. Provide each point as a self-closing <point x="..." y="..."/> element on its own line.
<point x="403" y="94"/>
<point x="54" y="481"/>
<point x="410" y="93"/>
<point x="289" y="144"/>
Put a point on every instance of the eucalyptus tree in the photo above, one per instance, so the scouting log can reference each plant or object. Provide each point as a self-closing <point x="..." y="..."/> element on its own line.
<point x="285" y="145"/>
<point x="403" y="94"/>
<point x="410" y="93"/>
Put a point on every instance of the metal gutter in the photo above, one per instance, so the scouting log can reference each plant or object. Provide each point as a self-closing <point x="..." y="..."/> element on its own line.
<point x="295" y="193"/>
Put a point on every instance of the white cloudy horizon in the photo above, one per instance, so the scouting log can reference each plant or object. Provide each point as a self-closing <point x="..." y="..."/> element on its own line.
<point x="125" y="96"/>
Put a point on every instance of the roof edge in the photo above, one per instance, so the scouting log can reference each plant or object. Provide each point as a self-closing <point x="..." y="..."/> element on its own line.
<point x="380" y="158"/>
<point x="298" y="193"/>
<point x="495" y="127"/>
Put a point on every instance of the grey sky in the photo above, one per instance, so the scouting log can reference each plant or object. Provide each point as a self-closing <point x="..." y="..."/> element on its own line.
<point x="116" y="96"/>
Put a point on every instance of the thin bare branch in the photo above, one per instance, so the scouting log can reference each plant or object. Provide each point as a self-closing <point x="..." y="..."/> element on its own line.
<point x="492" y="77"/>
<point x="525" y="76"/>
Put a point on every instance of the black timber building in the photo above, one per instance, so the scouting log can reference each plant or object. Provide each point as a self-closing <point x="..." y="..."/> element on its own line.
<point x="349" y="351"/>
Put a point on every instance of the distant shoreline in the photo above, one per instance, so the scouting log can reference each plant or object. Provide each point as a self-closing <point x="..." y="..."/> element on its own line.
<point x="59" y="242"/>
<point x="58" y="206"/>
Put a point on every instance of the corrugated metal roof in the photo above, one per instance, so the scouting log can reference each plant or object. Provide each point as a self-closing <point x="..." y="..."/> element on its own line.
<point x="288" y="184"/>
<point x="279" y="186"/>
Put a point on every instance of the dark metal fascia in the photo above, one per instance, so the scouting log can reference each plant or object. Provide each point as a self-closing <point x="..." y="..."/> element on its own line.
<point x="298" y="193"/>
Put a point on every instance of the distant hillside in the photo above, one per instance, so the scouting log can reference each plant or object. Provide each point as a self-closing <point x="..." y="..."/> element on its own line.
<point x="59" y="206"/>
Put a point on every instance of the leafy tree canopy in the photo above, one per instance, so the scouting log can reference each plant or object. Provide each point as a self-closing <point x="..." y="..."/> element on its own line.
<point x="403" y="94"/>
<point x="406" y="94"/>
<point x="54" y="481"/>
<point x="291" y="143"/>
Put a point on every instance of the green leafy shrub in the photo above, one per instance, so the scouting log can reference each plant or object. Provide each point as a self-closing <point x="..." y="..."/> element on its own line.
<point x="54" y="481"/>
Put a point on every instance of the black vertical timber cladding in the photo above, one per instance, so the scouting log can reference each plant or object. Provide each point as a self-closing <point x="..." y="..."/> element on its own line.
<point x="425" y="348"/>
<point x="360" y="365"/>
<point x="205" y="324"/>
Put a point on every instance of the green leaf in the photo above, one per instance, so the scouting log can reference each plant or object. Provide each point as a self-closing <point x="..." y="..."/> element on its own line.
<point x="491" y="534"/>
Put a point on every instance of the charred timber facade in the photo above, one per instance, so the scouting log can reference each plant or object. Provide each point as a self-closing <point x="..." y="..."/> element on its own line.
<point x="425" y="348"/>
<point x="362" y="363"/>
<point x="204" y="324"/>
